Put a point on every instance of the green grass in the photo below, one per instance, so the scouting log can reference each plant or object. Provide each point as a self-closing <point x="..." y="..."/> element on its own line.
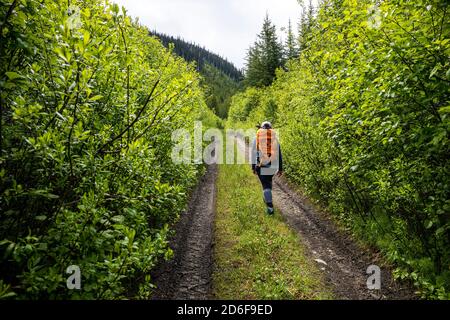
<point x="257" y="256"/>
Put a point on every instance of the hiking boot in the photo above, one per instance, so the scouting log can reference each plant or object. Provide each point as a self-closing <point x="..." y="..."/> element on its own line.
<point x="270" y="211"/>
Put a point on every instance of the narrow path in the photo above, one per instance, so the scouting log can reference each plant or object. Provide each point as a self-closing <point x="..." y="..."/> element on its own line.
<point x="343" y="262"/>
<point x="188" y="275"/>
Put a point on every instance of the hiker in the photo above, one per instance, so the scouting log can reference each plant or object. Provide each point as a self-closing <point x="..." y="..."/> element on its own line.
<point x="267" y="160"/>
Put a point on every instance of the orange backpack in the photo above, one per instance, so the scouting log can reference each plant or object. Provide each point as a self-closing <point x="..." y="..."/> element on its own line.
<point x="266" y="145"/>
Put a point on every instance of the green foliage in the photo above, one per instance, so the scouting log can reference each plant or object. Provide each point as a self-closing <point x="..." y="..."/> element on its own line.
<point x="88" y="105"/>
<point x="243" y="105"/>
<point x="364" y="121"/>
<point x="220" y="89"/>
<point x="252" y="107"/>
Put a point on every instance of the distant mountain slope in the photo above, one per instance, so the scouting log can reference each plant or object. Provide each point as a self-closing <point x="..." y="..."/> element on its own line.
<point x="220" y="77"/>
<point x="220" y="88"/>
<point x="193" y="52"/>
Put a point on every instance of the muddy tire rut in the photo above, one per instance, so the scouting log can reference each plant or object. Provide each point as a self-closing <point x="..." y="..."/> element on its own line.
<point x="342" y="261"/>
<point x="188" y="275"/>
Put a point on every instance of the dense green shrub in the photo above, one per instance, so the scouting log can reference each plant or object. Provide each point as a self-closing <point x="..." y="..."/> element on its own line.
<point x="243" y="104"/>
<point x="364" y="120"/>
<point x="88" y="105"/>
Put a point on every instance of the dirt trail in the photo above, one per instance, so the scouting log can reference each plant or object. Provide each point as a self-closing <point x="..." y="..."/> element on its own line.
<point x="188" y="275"/>
<point x="343" y="262"/>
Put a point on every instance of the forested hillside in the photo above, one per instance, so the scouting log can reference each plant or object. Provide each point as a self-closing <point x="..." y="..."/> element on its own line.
<point x="220" y="77"/>
<point x="201" y="56"/>
<point x="88" y="105"/>
<point x="363" y="115"/>
<point x="219" y="89"/>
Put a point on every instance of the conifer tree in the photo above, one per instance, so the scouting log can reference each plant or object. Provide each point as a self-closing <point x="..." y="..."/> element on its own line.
<point x="264" y="57"/>
<point x="305" y="25"/>
<point x="292" y="49"/>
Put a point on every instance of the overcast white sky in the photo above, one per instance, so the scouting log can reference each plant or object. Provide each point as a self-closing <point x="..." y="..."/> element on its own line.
<point x="226" y="27"/>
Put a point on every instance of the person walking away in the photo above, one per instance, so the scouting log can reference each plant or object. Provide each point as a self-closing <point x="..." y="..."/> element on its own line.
<point x="267" y="161"/>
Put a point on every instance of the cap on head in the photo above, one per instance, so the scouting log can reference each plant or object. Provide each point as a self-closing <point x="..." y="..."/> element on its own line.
<point x="266" y="125"/>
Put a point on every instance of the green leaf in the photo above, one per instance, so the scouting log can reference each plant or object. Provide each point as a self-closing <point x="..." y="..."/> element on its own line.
<point x="95" y="98"/>
<point x="9" y="250"/>
<point x="43" y="193"/>
<point x="118" y="219"/>
<point x="445" y="109"/>
<point x="63" y="54"/>
<point x="13" y="75"/>
<point x="86" y="37"/>
<point x="440" y="231"/>
<point x="435" y="70"/>
<point x="8" y="295"/>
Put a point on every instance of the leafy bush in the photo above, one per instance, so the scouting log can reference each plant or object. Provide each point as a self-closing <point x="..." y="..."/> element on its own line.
<point x="364" y="117"/>
<point x="88" y="105"/>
